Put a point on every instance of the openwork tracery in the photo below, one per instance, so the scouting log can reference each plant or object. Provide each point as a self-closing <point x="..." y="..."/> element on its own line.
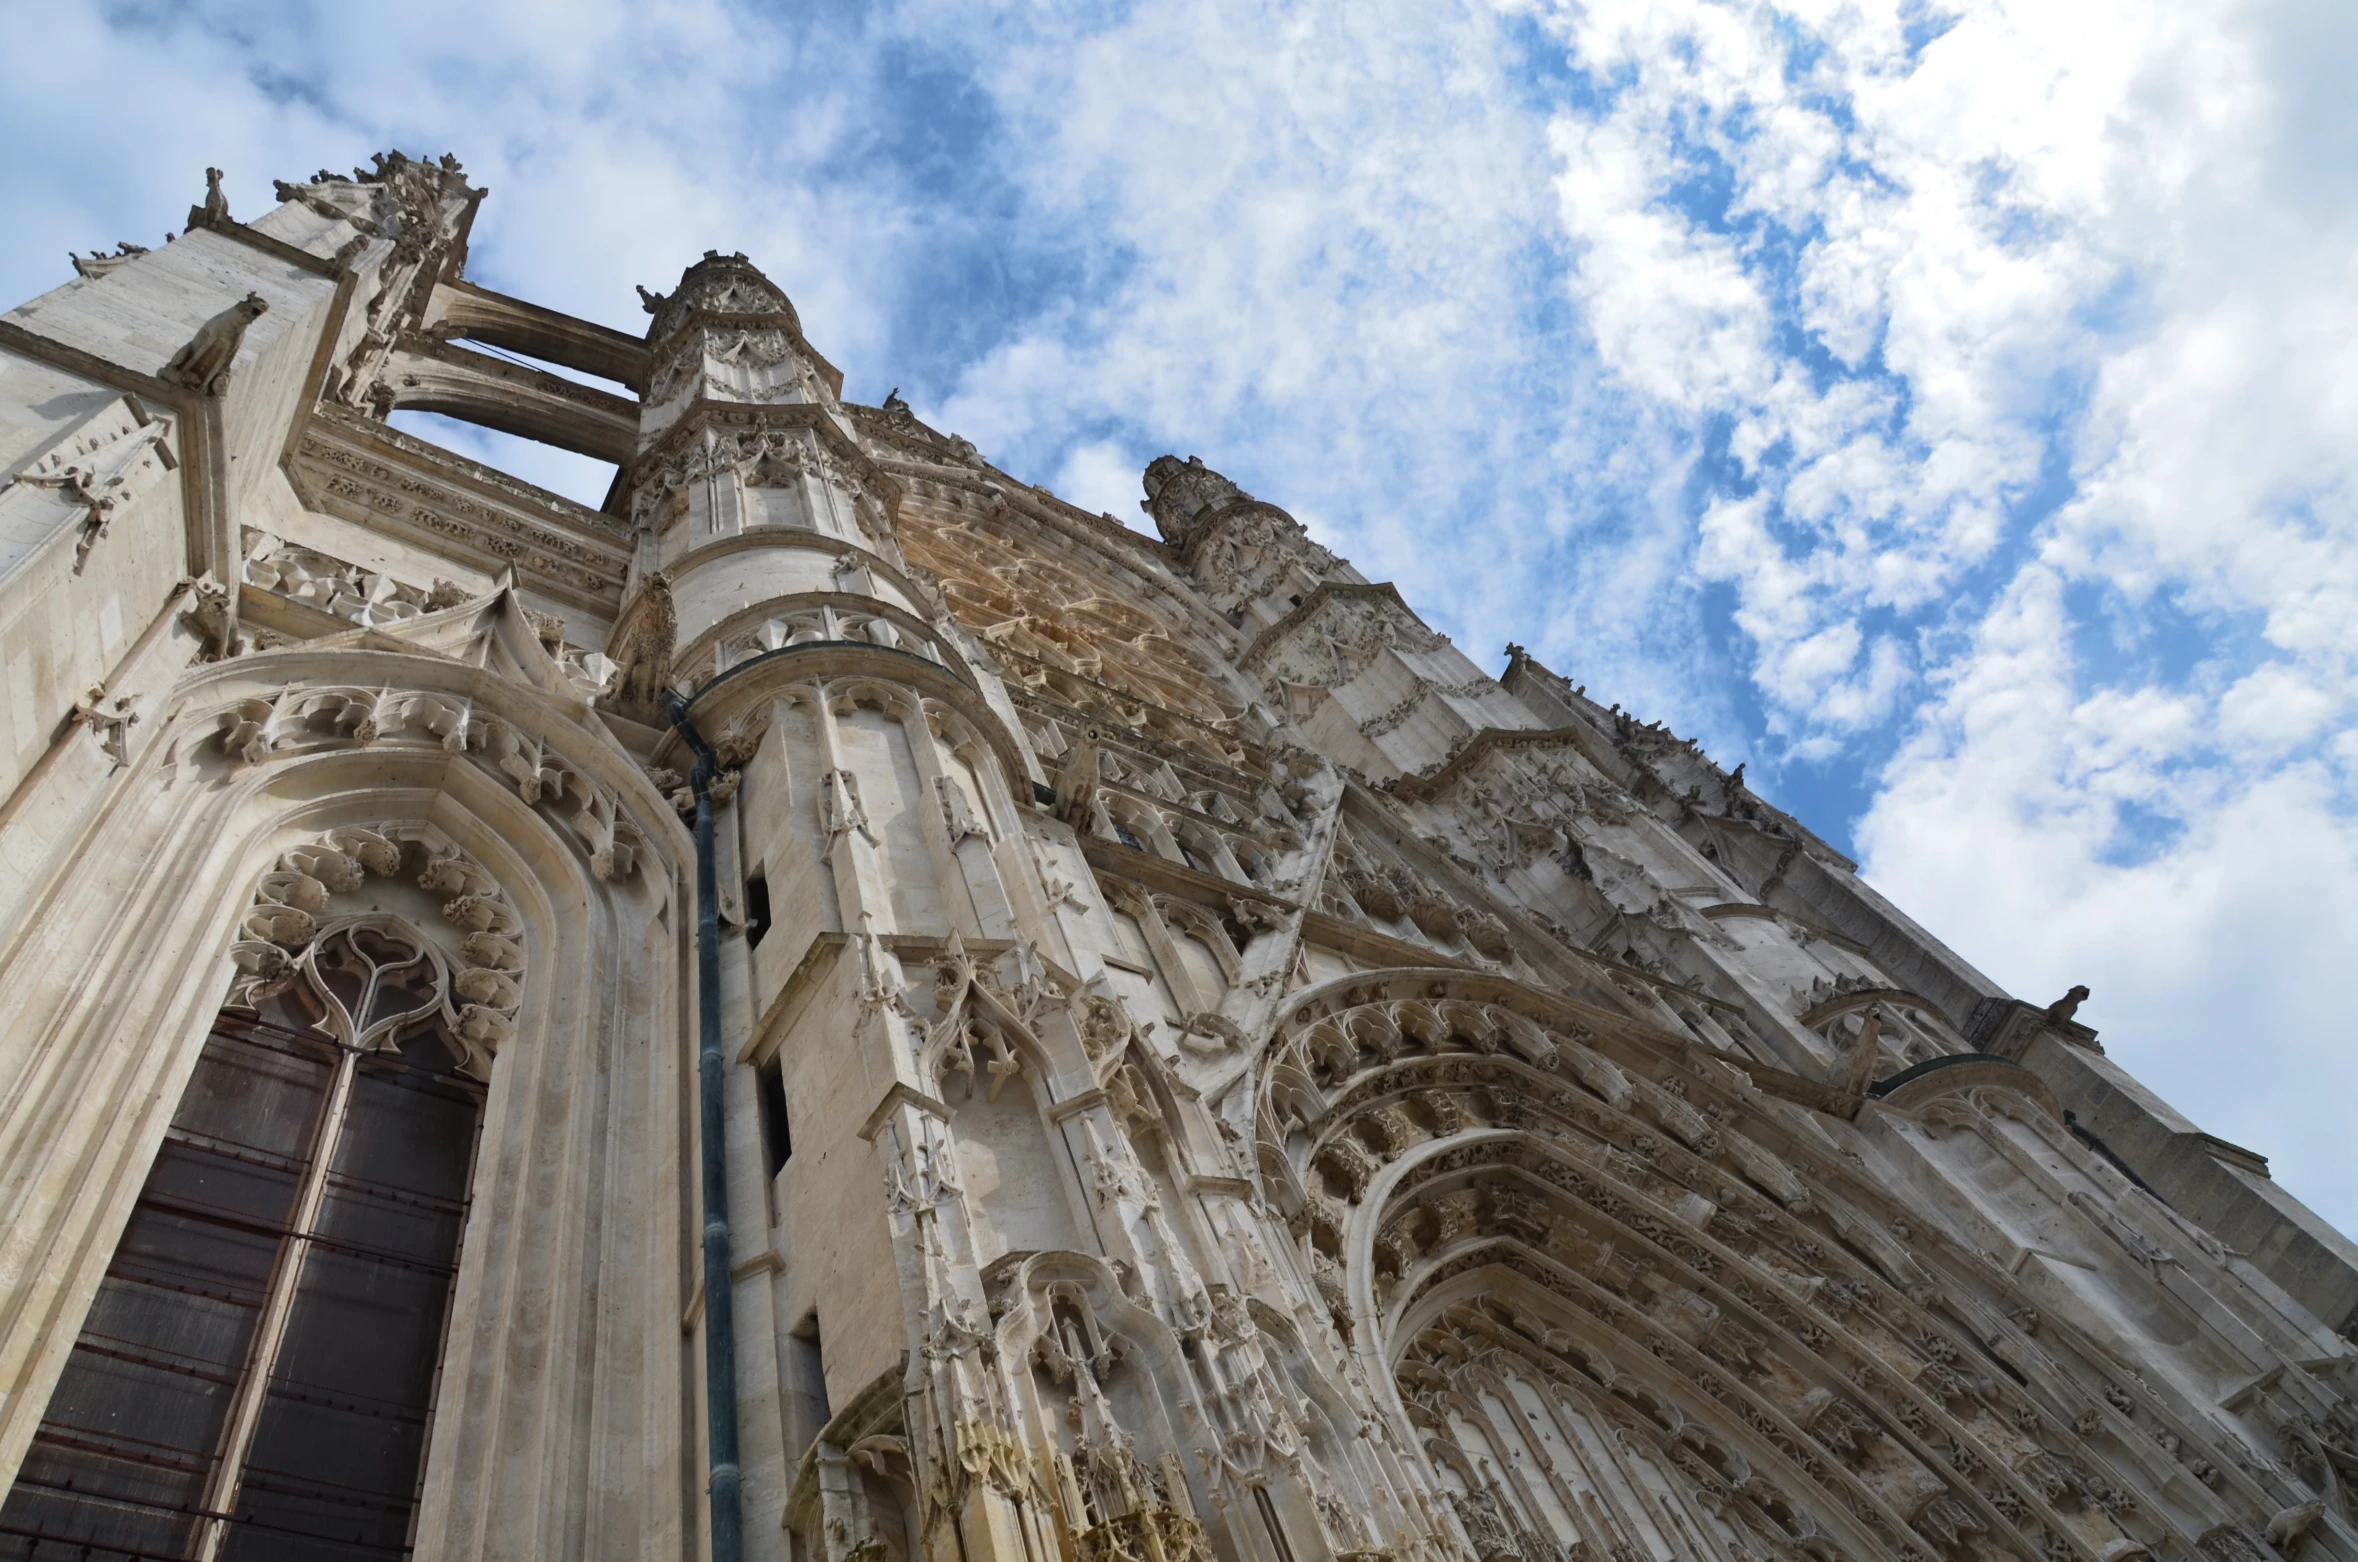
<point x="1633" y="1317"/>
<point x="376" y="972"/>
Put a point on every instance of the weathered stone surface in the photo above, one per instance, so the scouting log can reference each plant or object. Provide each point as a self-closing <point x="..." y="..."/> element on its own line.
<point x="1215" y="1074"/>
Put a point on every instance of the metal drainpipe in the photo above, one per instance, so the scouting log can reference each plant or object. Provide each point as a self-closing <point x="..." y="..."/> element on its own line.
<point x="720" y="1309"/>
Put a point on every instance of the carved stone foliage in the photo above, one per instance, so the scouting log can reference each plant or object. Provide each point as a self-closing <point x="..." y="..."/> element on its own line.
<point x="372" y="969"/>
<point x="423" y="209"/>
<point x="258" y="729"/>
<point x="358" y="595"/>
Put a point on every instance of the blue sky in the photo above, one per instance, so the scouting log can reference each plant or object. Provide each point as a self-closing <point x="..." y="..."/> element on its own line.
<point x="1949" y="409"/>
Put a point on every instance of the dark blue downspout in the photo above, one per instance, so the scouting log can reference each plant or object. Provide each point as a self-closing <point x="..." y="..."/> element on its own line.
<point x="720" y="1302"/>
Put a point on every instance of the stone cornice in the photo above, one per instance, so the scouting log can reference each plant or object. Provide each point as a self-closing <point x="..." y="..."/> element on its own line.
<point x="381" y="478"/>
<point x="1161" y="873"/>
<point x="278" y="249"/>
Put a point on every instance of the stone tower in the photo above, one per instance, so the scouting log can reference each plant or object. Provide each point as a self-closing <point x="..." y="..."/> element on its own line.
<point x="837" y="1008"/>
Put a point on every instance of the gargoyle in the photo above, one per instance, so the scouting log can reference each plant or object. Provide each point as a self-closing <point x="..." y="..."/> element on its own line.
<point x="203" y="365"/>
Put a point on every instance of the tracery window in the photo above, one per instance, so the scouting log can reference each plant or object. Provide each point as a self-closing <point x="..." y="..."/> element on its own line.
<point x="256" y="1375"/>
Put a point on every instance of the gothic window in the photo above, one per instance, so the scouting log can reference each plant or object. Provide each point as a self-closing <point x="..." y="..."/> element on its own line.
<point x="256" y="1375"/>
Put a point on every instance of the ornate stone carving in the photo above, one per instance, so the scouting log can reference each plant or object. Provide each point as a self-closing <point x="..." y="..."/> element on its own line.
<point x="481" y="988"/>
<point x="256" y="730"/>
<point x="204" y="360"/>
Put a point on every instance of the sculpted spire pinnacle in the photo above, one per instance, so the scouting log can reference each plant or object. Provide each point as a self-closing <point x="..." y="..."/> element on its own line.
<point x="1252" y="559"/>
<point x="1184" y="497"/>
<point x="727" y="334"/>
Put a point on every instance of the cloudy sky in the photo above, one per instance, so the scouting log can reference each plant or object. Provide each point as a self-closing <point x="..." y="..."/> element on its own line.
<point x="1949" y="407"/>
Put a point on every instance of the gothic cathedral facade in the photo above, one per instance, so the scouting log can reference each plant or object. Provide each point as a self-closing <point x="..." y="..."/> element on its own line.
<point x="839" y="1008"/>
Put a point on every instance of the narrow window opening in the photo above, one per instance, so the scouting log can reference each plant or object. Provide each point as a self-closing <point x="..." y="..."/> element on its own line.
<point x="1122" y="834"/>
<point x="769" y="1086"/>
<point x="806" y="1361"/>
<point x="582" y="478"/>
<point x="1285" y="1552"/>
<point x="757" y="909"/>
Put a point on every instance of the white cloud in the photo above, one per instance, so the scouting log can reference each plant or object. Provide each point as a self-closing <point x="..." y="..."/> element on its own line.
<point x="1976" y="412"/>
<point x="2053" y="254"/>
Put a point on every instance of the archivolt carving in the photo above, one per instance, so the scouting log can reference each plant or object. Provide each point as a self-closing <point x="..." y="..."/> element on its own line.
<point x="257" y="729"/>
<point x="292" y="921"/>
<point x="1575" y="1263"/>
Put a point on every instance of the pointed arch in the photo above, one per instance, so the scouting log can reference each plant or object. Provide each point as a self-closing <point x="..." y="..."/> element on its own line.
<point x="258" y="763"/>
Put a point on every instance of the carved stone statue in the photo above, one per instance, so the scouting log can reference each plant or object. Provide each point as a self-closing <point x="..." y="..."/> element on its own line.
<point x="2062" y="1009"/>
<point x="203" y="364"/>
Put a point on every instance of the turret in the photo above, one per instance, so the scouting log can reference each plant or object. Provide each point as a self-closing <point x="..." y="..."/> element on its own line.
<point x="759" y="521"/>
<point x="1254" y="561"/>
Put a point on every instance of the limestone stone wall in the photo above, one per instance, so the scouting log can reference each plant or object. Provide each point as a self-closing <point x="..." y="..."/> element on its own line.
<point x="1211" y="1071"/>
